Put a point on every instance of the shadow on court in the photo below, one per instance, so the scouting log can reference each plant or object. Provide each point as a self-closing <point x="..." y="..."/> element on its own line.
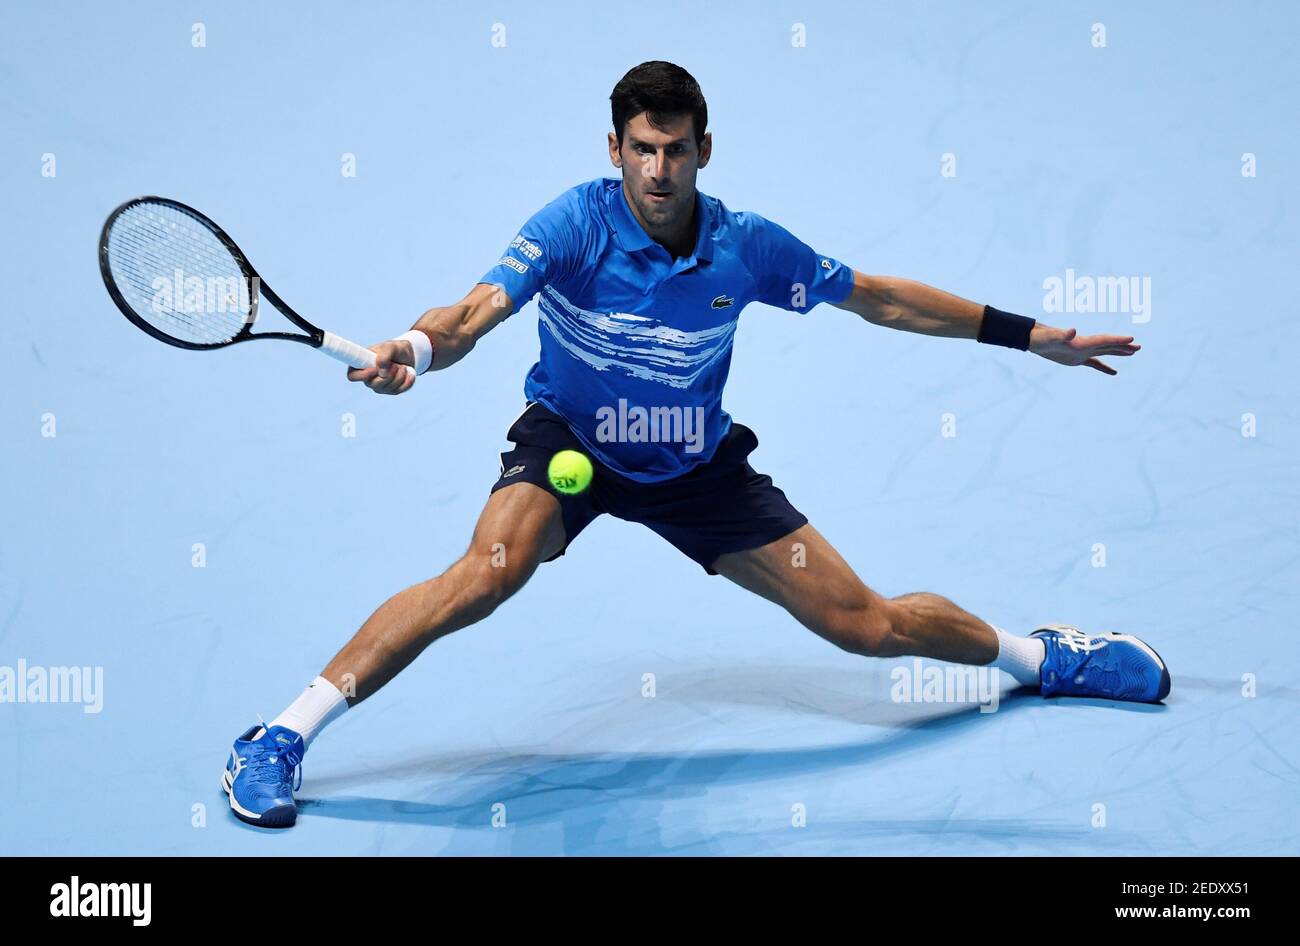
<point x="620" y="801"/>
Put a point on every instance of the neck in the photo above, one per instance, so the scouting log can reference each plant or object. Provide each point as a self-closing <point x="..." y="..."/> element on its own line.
<point x="677" y="238"/>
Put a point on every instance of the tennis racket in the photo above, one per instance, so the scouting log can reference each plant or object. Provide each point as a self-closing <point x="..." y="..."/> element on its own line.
<point x="178" y="276"/>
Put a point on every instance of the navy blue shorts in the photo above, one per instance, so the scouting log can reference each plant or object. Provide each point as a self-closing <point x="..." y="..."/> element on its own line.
<point x="718" y="507"/>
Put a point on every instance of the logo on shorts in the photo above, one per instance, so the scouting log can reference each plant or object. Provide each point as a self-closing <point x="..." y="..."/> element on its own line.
<point x="723" y="302"/>
<point x="513" y="470"/>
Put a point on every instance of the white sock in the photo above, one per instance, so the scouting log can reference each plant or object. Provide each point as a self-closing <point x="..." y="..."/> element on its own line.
<point x="320" y="704"/>
<point x="1022" y="657"/>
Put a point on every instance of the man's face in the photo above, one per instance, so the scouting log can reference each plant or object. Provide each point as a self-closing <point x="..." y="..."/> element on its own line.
<point x="659" y="167"/>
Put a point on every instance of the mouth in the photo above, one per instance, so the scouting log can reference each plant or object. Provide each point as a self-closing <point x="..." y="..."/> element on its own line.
<point x="658" y="197"/>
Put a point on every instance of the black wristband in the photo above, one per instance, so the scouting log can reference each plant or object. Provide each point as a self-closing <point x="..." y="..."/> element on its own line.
<point x="1005" y="329"/>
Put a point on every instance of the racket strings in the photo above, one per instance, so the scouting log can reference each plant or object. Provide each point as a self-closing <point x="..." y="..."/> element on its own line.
<point x="145" y="262"/>
<point x="177" y="275"/>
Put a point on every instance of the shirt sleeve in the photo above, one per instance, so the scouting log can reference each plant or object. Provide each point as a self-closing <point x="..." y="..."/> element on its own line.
<point x="790" y="274"/>
<point x="542" y="252"/>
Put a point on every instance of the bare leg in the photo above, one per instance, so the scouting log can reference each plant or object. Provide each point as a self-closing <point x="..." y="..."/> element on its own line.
<point x="520" y="526"/>
<point x="824" y="594"/>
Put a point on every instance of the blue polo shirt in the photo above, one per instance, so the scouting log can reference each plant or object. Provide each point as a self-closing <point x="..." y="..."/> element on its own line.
<point x="636" y="345"/>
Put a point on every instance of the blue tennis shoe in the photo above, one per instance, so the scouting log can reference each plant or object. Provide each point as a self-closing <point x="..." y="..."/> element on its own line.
<point x="262" y="774"/>
<point x="1107" y="665"/>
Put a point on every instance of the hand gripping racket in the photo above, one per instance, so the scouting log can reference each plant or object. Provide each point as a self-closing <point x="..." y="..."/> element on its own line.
<point x="181" y="278"/>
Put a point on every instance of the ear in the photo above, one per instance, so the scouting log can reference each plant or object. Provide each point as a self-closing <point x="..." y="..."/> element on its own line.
<point x="706" y="149"/>
<point x="615" y="158"/>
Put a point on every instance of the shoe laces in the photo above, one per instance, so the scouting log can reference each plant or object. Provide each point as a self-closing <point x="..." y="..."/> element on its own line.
<point x="1080" y="643"/>
<point x="275" y="765"/>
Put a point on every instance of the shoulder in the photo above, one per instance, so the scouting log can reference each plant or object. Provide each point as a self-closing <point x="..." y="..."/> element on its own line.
<point x="757" y="240"/>
<point x="579" y="206"/>
<point x="754" y="228"/>
<point x="576" y="221"/>
<point x="745" y="228"/>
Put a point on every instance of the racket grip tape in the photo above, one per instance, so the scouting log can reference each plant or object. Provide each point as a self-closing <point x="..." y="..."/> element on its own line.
<point x="350" y="353"/>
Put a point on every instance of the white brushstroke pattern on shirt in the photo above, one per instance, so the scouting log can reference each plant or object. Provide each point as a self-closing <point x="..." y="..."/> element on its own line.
<point x="640" y="345"/>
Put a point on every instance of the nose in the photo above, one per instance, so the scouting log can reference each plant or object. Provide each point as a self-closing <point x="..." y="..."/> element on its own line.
<point x="653" y="166"/>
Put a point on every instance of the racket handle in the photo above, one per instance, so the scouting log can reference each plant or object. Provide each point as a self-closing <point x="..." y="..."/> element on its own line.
<point x="350" y="353"/>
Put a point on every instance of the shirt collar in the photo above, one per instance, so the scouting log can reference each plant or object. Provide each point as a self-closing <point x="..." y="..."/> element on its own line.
<point x="632" y="236"/>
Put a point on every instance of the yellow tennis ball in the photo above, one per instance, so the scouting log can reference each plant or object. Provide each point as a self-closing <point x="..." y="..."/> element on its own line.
<point x="569" y="472"/>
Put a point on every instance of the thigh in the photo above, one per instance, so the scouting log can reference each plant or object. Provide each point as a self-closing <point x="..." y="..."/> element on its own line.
<point x="721" y="507"/>
<point x="538" y="435"/>
<point x="521" y="526"/>
<point x="804" y="574"/>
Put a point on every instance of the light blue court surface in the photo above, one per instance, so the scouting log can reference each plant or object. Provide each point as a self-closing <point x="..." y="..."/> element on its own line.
<point x="1071" y="160"/>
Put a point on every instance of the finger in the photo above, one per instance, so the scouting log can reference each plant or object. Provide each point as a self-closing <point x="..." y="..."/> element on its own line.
<point x="361" y="374"/>
<point x="397" y="381"/>
<point x="1100" y="366"/>
<point x="389" y="371"/>
<point x="1094" y="347"/>
<point x="1107" y="341"/>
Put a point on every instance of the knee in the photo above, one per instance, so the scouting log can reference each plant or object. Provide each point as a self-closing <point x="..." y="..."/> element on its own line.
<point x="484" y="583"/>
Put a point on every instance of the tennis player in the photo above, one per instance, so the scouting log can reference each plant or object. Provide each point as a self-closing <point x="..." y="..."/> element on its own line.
<point x="640" y="282"/>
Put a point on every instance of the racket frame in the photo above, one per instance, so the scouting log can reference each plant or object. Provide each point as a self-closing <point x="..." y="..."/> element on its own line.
<point x="257" y="286"/>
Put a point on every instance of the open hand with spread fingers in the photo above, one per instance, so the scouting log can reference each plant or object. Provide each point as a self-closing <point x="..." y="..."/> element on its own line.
<point x="1065" y="346"/>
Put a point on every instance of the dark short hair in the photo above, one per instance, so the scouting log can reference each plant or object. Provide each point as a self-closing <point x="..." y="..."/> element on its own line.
<point x="663" y="91"/>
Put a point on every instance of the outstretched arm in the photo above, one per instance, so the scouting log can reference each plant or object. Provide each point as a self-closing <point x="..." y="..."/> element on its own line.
<point x="915" y="307"/>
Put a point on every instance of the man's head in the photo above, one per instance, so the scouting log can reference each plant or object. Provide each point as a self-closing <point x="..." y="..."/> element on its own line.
<point x="660" y="142"/>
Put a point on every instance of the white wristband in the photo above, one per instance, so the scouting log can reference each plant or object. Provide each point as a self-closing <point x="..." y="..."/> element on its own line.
<point x="422" y="346"/>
